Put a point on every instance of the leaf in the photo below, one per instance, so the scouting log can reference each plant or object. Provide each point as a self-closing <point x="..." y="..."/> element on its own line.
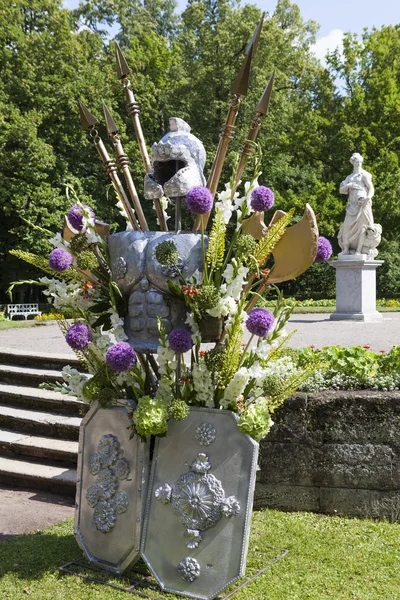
<point x="266" y="245"/>
<point x="100" y="307"/>
<point x="174" y="289"/>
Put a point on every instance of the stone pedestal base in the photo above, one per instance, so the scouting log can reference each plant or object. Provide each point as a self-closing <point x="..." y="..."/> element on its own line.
<point x="356" y="290"/>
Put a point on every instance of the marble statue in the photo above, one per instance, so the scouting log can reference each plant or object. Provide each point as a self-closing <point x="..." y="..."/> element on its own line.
<point x="358" y="236"/>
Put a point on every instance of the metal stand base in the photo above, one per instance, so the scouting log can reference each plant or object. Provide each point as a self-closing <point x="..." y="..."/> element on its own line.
<point x="139" y="580"/>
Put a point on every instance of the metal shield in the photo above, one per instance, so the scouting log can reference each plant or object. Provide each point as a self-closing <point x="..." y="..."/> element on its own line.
<point x="112" y="479"/>
<point x="199" y="504"/>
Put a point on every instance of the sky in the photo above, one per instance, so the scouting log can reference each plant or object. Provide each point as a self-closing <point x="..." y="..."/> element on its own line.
<point x="334" y="17"/>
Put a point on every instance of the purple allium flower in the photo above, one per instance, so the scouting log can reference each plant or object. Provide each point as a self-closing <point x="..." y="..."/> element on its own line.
<point x="121" y="357"/>
<point x="260" y="321"/>
<point x="75" y="216"/>
<point x="180" y="340"/>
<point x="324" y="251"/>
<point x="60" y="260"/>
<point x="262" y="198"/>
<point x="199" y="200"/>
<point x="78" y="336"/>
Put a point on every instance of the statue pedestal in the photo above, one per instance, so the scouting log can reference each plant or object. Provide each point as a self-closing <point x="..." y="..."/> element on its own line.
<point x="356" y="290"/>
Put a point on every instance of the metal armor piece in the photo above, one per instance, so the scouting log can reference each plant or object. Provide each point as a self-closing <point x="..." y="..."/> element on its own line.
<point x="112" y="480"/>
<point x="144" y="281"/>
<point x="178" y="161"/>
<point x="199" y="504"/>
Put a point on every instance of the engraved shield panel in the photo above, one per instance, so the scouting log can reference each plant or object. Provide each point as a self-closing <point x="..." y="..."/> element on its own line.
<point x="112" y="480"/>
<point x="199" y="505"/>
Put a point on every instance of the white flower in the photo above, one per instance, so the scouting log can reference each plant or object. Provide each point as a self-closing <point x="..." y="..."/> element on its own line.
<point x="102" y="341"/>
<point x="236" y="386"/>
<point x="92" y="237"/>
<point x="224" y="203"/>
<point x="58" y="242"/>
<point x="225" y="306"/>
<point x="196" y="336"/>
<point x="203" y="384"/>
<point x="75" y="381"/>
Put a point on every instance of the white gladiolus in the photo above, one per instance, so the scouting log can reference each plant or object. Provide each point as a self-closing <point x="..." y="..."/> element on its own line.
<point x="203" y="384"/>
<point x="236" y="386"/>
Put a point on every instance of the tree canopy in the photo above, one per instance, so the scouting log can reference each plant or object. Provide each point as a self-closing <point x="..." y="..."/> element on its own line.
<point x="183" y="65"/>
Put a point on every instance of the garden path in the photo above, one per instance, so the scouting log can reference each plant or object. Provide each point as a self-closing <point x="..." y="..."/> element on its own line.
<point x="312" y="329"/>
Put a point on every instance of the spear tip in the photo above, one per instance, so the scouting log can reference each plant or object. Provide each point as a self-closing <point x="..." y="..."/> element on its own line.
<point x="87" y="119"/>
<point x="263" y="104"/>
<point x="122" y="66"/>
<point x="241" y="83"/>
<point x="111" y="125"/>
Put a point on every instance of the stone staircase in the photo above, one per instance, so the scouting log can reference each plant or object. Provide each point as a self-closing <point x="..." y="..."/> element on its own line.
<point x="39" y="429"/>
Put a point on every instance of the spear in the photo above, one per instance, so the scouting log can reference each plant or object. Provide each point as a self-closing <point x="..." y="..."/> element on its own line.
<point x="238" y="91"/>
<point x="123" y="163"/>
<point x="89" y="123"/>
<point x="133" y="111"/>
<point x="248" y="144"/>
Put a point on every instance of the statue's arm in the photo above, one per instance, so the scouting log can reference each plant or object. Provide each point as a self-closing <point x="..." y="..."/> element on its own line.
<point x="367" y="177"/>
<point x="344" y="188"/>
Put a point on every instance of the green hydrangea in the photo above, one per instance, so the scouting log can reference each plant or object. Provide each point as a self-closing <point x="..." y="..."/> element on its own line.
<point x="86" y="260"/>
<point x="78" y="244"/>
<point x="214" y="359"/>
<point x="244" y="246"/>
<point x="167" y="253"/>
<point x="178" y="410"/>
<point x="273" y="386"/>
<point x="208" y="297"/>
<point x="150" y="417"/>
<point x="255" y="420"/>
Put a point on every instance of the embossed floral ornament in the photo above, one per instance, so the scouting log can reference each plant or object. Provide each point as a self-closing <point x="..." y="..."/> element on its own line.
<point x="104" y="516"/>
<point x="205" y="434"/>
<point x="109" y="466"/>
<point x="189" y="569"/>
<point x="108" y="450"/>
<point x="163" y="493"/>
<point x="198" y="500"/>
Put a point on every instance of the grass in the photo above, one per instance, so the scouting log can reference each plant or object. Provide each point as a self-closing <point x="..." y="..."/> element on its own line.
<point x="6" y="324"/>
<point x="330" y="309"/>
<point x="330" y="558"/>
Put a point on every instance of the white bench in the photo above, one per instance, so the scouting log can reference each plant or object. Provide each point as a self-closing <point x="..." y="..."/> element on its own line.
<point x="22" y="309"/>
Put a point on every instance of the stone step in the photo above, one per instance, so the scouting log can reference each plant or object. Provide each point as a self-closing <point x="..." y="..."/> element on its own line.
<point x="21" y="375"/>
<point x="24" y="473"/>
<point x="38" y="360"/>
<point x="39" y="423"/>
<point x="20" y="445"/>
<point x="22" y="396"/>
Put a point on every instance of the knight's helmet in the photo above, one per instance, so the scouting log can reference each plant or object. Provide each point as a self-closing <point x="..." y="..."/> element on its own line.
<point x="178" y="161"/>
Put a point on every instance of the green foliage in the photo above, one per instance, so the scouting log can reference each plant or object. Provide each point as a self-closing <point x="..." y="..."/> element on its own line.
<point x="183" y="65"/>
<point x="216" y="243"/>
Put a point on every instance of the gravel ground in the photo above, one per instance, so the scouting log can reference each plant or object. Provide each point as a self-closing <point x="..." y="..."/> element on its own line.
<point x="23" y="511"/>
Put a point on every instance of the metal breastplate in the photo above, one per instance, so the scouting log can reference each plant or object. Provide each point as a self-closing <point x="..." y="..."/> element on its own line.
<point x="143" y="280"/>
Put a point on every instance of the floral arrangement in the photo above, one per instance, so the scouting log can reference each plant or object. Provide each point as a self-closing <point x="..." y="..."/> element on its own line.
<point x="238" y="373"/>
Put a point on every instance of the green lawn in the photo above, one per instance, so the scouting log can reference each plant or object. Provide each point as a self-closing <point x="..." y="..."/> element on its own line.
<point x="16" y="324"/>
<point x="330" y="558"/>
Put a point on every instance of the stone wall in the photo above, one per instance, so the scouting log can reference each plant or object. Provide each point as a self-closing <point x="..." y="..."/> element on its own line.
<point x="335" y="453"/>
